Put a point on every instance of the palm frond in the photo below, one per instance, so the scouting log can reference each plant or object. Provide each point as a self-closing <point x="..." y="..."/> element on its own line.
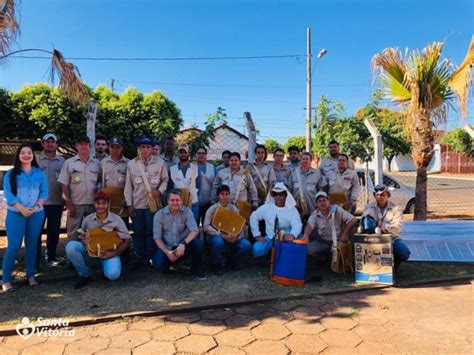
<point x="70" y="82"/>
<point x="9" y="26"/>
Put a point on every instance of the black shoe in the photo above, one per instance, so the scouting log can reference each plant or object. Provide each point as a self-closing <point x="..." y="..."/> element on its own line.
<point x="314" y="278"/>
<point x="216" y="269"/>
<point x="81" y="282"/>
<point x="234" y="265"/>
<point x="199" y="275"/>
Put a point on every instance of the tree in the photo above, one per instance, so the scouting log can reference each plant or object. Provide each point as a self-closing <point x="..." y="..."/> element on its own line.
<point x="205" y="136"/>
<point x="460" y="141"/>
<point x="9" y="26"/>
<point x="419" y="83"/>
<point x="271" y="145"/>
<point x="298" y="141"/>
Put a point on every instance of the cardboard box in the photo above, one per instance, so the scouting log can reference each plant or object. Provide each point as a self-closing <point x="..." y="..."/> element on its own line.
<point x="373" y="258"/>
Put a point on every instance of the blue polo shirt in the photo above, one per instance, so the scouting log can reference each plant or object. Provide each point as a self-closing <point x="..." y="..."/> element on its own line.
<point x="31" y="187"/>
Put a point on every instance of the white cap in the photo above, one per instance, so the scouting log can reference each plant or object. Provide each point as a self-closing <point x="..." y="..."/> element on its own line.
<point x="50" y="136"/>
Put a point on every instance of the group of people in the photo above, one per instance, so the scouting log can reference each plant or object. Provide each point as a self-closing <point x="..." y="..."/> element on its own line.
<point x="171" y="202"/>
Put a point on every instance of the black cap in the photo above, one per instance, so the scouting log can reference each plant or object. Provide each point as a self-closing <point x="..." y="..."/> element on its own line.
<point x="116" y="141"/>
<point x="81" y="139"/>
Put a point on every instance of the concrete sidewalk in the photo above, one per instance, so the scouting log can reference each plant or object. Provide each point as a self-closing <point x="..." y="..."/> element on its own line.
<point x="425" y="320"/>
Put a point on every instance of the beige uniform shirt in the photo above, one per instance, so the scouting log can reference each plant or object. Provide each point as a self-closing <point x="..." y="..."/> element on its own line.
<point x="81" y="178"/>
<point x="169" y="162"/>
<point x="248" y="191"/>
<point x="266" y="173"/>
<point x="282" y="173"/>
<point x="113" y="222"/>
<point x="329" y="167"/>
<point x="207" y="227"/>
<point x="390" y="218"/>
<point x="312" y="181"/>
<point x="52" y="169"/>
<point x="347" y="182"/>
<point x="135" y="191"/>
<point x="114" y="172"/>
<point x="322" y="224"/>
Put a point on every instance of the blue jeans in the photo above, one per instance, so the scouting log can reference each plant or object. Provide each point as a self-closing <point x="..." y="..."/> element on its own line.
<point x="400" y="251"/>
<point x="18" y="227"/>
<point x="77" y="255"/>
<point x="195" y="249"/>
<point x="262" y="248"/>
<point x="195" y="210"/>
<point x="218" y="245"/>
<point x="143" y="243"/>
<point x="52" y="218"/>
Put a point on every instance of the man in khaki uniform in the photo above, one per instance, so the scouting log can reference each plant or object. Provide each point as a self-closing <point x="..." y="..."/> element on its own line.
<point x="262" y="174"/>
<point x="234" y="177"/>
<point x="282" y="170"/>
<point x="100" y="148"/>
<point x="328" y="165"/>
<point x="311" y="179"/>
<point x="51" y="163"/>
<point x="225" y="160"/>
<point x="168" y="154"/>
<point x="136" y="196"/>
<point x="78" y="178"/>
<point x="345" y="181"/>
<point x="389" y="218"/>
<point x="321" y="220"/>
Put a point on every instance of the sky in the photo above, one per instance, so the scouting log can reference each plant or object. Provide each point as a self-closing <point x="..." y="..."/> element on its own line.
<point x="273" y="90"/>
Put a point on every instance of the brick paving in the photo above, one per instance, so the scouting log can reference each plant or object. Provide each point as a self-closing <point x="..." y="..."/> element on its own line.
<point x="437" y="319"/>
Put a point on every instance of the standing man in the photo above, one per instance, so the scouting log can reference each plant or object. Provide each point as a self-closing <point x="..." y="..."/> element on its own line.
<point x="79" y="178"/>
<point x="100" y="147"/>
<point x="345" y="181"/>
<point x="206" y="176"/>
<point x="328" y="165"/>
<point x="183" y="176"/>
<point x="294" y="156"/>
<point x="153" y="169"/>
<point x="114" y="167"/>
<point x="225" y="160"/>
<point x="389" y="219"/>
<point x="262" y="174"/>
<point x="305" y="182"/>
<point x="282" y="171"/>
<point x="168" y="155"/>
<point x="157" y="149"/>
<point x="51" y="163"/>
<point x="175" y="233"/>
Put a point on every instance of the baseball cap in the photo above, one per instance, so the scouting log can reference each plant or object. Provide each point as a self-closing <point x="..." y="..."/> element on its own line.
<point x="380" y="189"/>
<point x="145" y="140"/>
<point x="116" y="141"/>
<point x="81" y="139"/>
<point x="321" y="194"/>
<point x="50" y="136"/>
<point x="279" y="187"/>
<point x="101" y="195"/>
<point x="183" y="147"/>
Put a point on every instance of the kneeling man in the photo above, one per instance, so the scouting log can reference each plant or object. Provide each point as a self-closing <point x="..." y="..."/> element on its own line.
<point x="279" y="211"/>
<point x="218" y="240"/>
<point x="76" y="251"/>
<point x="176" y="235"/>
<point x="327" y="219"/>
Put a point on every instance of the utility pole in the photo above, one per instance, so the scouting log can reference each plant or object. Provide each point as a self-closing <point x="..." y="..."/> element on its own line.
<point x="112" y="82"/>
<point x="308" y="91"/>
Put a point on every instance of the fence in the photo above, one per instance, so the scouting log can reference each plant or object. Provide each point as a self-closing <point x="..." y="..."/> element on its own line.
<point x="455" y="163"/>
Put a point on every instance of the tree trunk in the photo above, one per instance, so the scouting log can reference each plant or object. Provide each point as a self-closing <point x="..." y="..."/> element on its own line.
<point x="389" y="161"/>
<point x="421" y="194"/>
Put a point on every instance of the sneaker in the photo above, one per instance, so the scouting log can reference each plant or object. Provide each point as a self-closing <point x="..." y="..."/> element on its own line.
<point x="53" y="263"/>
<point x="81" y="282"/>
<point x="199" y="275"/>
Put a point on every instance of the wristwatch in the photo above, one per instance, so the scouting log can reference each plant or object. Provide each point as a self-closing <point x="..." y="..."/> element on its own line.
<point x="184" y="242"/>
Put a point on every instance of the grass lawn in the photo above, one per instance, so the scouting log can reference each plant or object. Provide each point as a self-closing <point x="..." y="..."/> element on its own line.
<point x="148" y="290"/>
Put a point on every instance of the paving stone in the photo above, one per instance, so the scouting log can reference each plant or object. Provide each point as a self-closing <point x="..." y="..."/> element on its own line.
<point x="270" y="331"/>
<point x="338" y="323"/>
<point x="146" y="323"/>
<point x="251" y="310"/>
<point x="241" y="321"/>
<point x="286" y="306"/>
<point x="302" y="326"/>
<point x="226" y="350"/>
<point x="87" y="346"/>
<point x="305" y="343"/>
<point x="307" y="312"/>
<point x="270" y="347"/>
<point x="109" y="330"/>
<point x="313" y="303"/>
<point x="338" y="337"/>
<point x="17" y="342"/>
<point x="234" y="337"/>
<point x="374" y="319"/>
<point x="114" y="351"/>
<point x="155" y="347"/>
<point x="196" y="344"/>
<point x="206" y="327"/>
<point x="47" y="347"/>
<point x="337" y="310"/>
<point x="183" y="318"/>
<point x="372" y="333"/>
<point x="9" y="351"/>
<point x="130" y="339"/>
<point x="170" y="332"/>
<point x="375" y="348"/>
<point x="217" y="314"/>
<point x="338" y="350"/>
<point x="279" y="318"/>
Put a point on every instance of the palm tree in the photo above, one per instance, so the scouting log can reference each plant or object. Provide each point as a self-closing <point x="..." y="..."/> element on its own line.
<point x="420" y="83"/>
<point x="9" y="27"/>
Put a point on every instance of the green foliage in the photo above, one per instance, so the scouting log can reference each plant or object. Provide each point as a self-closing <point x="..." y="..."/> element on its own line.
<point x="460" y="141"/>
<point x="205" y="136"/>
<point x="36" y="109"/>
<point x="271" y="145"/>
<point x="298" y="141"/>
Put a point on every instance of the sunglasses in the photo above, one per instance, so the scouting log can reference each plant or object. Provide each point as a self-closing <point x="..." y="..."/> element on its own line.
<point x="275" y="194"/>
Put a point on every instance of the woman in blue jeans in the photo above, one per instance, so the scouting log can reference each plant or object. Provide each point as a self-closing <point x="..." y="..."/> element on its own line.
<point x="25" y="189"/>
